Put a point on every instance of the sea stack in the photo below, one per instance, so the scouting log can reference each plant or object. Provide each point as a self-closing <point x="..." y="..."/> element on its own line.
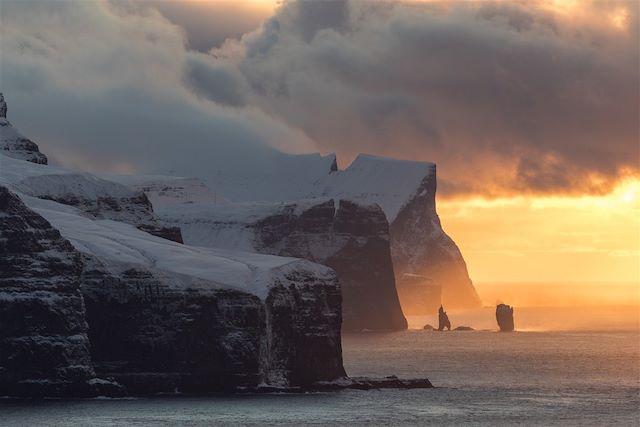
<point x="504" y="316"/>
<point x="443" y="320"/>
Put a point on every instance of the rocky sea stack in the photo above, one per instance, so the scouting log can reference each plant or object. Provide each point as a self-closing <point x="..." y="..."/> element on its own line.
<point x="504" y="316"/>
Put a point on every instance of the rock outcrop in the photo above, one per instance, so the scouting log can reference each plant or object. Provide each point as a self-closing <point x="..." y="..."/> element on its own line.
<point x="165" y="316"/>
<point x="44" y="348"/>
<point x="13" y="144"/>
<point x="153" y="336"/>
<point x="504" y="317"/>
<point x="420" y="246"/>
<point x="100" y="199"/>
<point x="161" y="316"/>
<point x="404" y="190"/>
<point x="351" y="238"/>
<point x="443" y="320"/>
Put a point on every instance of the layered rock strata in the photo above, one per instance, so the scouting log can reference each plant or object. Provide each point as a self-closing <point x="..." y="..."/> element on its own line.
<point x="44" y="348"/>
<point x="351" y="238"/>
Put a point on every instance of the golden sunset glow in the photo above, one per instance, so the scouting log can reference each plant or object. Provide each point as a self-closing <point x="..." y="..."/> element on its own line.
<point x="619" y="18"/>
<point x="551" y="238"/>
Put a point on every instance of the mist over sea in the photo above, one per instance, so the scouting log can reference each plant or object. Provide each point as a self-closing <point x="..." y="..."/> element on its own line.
<point x="577" y="377"/>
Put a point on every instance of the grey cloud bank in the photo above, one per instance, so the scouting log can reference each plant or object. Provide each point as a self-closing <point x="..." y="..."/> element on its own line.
<point x="504" y="96"/>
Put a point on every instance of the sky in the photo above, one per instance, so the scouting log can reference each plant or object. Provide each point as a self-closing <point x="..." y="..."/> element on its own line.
<point x="530" y="109"/>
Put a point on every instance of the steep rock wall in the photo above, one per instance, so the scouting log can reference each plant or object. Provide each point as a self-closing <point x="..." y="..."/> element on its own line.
<point x="351" y="238"/>
<point x="44" y="349"/>
<point x="419" y="246"/>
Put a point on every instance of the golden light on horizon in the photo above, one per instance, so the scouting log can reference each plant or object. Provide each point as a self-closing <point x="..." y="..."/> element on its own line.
<point x="587" y="238"/>
<point x="619" y="18"/>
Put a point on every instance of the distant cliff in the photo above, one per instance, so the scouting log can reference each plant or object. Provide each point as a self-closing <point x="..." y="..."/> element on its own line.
<point x="405" y="192"/>
<point x="349" y="237"/>
<point x="420" y="246"/>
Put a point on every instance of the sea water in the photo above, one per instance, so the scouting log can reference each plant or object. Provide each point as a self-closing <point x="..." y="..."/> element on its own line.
<point x="482" y="378"/>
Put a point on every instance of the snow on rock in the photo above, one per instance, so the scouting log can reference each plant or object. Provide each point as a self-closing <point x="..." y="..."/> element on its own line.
<point x="404" y="190"/>
<point x="164" y="316"/>
<point x="170" y="190"/>
<point x="349" y="237"/>
<point x="121" y="246"/>
<point x="419" y="246"/>
<point x="13" y="144"/>
<point x="389" y="183"/>
<point x="96" y="197"/>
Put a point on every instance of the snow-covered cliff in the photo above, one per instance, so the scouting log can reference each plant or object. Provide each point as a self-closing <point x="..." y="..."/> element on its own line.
<point x="349" y="237"/>
<point x="165" y="316"/>
<point x="404" y="190"/>
<point x="96" y="197"/>
<point x="13" y="144"/>
<point x="86" y="290"/>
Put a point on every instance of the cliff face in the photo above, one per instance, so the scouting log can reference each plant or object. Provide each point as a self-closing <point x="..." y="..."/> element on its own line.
<point x="164" y="316"/>
<point x="351" y="238"/>
<point x="101" y="199"/>
<point x="428" y="266"/>
<point x="406" y="190"/>
<point x="419" y="246"/>
<point x="161" y="316"/>
<point x="153" y="335"/>
<point x="44" y="349"/>
<point x="13" y="144"/>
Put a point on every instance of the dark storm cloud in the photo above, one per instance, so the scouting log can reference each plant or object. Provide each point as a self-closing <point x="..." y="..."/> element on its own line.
<point x="503" y="95"/>
<point x="219" y="83"/>
<point x="208" y="24"/>
<point x="108" y="86"/>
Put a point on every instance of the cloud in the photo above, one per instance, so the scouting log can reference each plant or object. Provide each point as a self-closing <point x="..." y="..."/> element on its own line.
<point x="507" y="97"/>
<point x="504" y="96"/>
<point x="207" y="24"/>
<point x="110" y="86"/>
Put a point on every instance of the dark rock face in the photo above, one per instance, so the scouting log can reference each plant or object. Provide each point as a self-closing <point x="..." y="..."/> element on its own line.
<point x="44" y="349"/>
<point x="150" y="330"/>
<point x="504" y="316"/>
<point x="353" y="240"/>
<point x="443" y="320"/>
<point x="366" y="383"/>
<point x="100" y="199"/>
<point x="419" y="246"/>
<point x="154" y="337"/>
<point x="300" y="350"/>
<point x="13" y="144"/>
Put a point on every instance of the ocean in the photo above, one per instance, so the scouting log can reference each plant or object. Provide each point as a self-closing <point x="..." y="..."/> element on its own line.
<point x="544" y="378"/>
